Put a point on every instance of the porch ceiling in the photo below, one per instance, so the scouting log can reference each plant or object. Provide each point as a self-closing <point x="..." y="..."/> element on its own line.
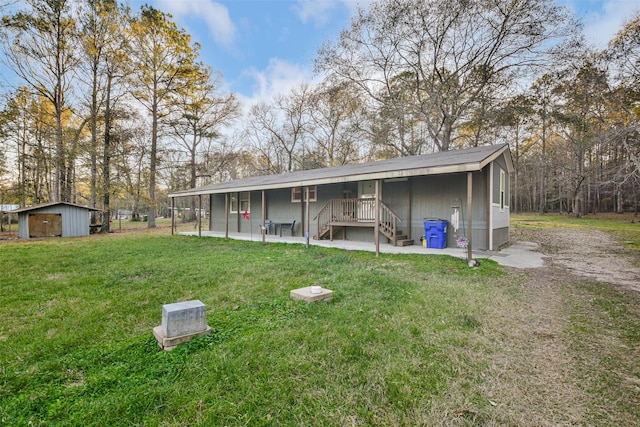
<point x="469" y="160"/>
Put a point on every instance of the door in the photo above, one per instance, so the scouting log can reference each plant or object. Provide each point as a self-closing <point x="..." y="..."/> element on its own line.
<point x="366" y="208"/>
<point x="45" y="225"/>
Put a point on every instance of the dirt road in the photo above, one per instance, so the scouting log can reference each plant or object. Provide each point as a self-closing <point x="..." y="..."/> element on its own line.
<point x="586" y="253"/>
<point x="560" y="357"/>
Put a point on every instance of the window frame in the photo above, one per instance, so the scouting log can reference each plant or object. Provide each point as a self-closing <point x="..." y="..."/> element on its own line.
<point x="297" y="194"/>
<point x="243" y="197"/>
<point x="503" y="190"/>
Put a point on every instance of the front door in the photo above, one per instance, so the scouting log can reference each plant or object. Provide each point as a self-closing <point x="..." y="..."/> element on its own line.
<point x="366" y="208"/>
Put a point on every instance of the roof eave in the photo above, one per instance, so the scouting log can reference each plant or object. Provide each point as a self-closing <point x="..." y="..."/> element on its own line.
<point x="438" y="170"/>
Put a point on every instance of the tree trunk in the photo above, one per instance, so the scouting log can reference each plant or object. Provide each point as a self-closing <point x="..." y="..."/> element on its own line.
<point x="152" y="165"/>
<point x="94" y="142"/>
<point x="106" y="166"/>
<point x="620" y="208"/>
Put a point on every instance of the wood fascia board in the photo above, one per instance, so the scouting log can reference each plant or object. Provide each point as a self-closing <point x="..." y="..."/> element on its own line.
<point x="494" y="156"/>
<point x="438" y="170"/>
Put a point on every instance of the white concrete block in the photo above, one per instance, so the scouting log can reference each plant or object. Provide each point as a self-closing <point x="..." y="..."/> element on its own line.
<point x="183" y="318"/>
<point x="311" y="294"/>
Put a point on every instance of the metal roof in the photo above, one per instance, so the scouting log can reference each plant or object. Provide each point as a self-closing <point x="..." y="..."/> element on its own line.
<point x="46" y="205"/>
<point x="467" y="160"/>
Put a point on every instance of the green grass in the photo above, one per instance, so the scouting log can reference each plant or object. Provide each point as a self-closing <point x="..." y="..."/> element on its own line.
<point x="598" y="311"/>
<point x="404" y="341"/>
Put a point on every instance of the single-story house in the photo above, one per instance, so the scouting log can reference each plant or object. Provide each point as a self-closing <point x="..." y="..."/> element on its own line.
<point x="468" y="188"/>
<point x="56" y="219"/>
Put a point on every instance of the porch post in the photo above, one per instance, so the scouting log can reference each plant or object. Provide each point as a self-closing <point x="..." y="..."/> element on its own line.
<point x="173" y="219"/>
<point x="226" y="216"/>
<point x="489" y="228"/>
<point x="409" y="209"/>
<point x="469" y="214"/>
<point x="199" y="215"/>
<point x="264" y="215"/>
<point x="376" y="227"/>
<point x="307" y="223"/>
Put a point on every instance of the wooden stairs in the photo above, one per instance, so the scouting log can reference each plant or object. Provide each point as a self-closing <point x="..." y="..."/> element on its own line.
<point x="339" y="214"/>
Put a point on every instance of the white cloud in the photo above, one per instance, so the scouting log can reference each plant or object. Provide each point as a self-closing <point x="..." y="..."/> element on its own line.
<point x="278" y="78"/>
<point x="319" y="11"/>
<point x="215" y="15"/>
<point x="603" y="19"/>
<point x="314" y="10"/>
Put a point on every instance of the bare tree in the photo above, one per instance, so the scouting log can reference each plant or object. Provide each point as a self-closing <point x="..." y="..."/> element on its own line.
<point x="450" y="53"/>
<point x="336" y="116"/>
<point x="196" y="123"/>
<point x="276" y="131"/>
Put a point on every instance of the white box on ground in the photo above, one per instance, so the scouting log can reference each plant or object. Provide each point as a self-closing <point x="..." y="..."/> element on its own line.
<point x="181" y="321"/>
<point x="183" y="318"/>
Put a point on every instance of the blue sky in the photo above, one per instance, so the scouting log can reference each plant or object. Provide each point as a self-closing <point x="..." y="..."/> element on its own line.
<point x="264" y="47"/>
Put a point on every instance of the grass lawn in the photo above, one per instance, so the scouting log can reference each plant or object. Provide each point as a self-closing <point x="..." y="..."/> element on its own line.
<point x="406" y="340"/>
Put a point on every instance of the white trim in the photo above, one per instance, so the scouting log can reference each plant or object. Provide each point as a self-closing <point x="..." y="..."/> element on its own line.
<point x="313" y="189"/>
<point x="503" y="189"/>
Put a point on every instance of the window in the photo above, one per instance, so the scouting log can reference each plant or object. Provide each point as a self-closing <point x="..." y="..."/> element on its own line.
<point x="503" y="185"/>
<point x="297" y="192"/>
<point x="244" y="203"/>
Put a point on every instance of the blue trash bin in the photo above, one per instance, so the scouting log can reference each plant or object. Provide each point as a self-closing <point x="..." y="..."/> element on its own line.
<point x="435" y="231"/>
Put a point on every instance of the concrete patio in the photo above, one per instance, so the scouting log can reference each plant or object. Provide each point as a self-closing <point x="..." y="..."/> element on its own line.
<point x="519" y="255"/>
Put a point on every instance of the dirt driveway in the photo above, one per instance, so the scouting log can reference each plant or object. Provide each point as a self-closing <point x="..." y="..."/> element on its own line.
<point x="586" y="253"/>
<point x="560" y="357"/>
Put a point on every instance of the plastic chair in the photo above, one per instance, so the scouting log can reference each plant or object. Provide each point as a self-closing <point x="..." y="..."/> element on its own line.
<point x="267" y="226"/>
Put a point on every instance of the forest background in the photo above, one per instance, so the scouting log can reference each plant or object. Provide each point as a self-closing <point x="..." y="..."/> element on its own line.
<point x="114" y="107"/>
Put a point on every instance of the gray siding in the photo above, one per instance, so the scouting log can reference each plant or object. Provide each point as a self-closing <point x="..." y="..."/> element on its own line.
<point x="431" y="197"/>
<point x="500" y="237"/>
<point x="23" y="225"/>
<point x="434" y="196"/>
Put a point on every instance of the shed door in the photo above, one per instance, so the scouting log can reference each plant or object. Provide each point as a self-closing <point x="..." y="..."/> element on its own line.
<point x="45" y="225"/>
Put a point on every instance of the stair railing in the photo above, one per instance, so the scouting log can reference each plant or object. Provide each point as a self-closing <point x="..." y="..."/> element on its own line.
<point x="357" y="210"/>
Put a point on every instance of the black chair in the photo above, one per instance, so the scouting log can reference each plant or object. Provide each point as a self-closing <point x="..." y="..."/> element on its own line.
<point x="292" y="228"/>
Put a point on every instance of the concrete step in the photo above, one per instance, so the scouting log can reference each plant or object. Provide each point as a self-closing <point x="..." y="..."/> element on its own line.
<point x="404" y="242"/>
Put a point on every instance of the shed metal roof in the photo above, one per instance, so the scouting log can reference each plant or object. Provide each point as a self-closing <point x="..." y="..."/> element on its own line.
<point x="46" y="205"/>
<point x="467" y="160"/>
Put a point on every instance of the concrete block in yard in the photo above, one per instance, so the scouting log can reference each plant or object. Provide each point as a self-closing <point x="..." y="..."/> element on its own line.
<point x="180" y="322"/>
<point x="311" y="294"/>
<point x="182" y="318"/>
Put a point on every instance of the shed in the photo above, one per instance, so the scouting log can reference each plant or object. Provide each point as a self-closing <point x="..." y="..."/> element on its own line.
<point x="57" y="219"/>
